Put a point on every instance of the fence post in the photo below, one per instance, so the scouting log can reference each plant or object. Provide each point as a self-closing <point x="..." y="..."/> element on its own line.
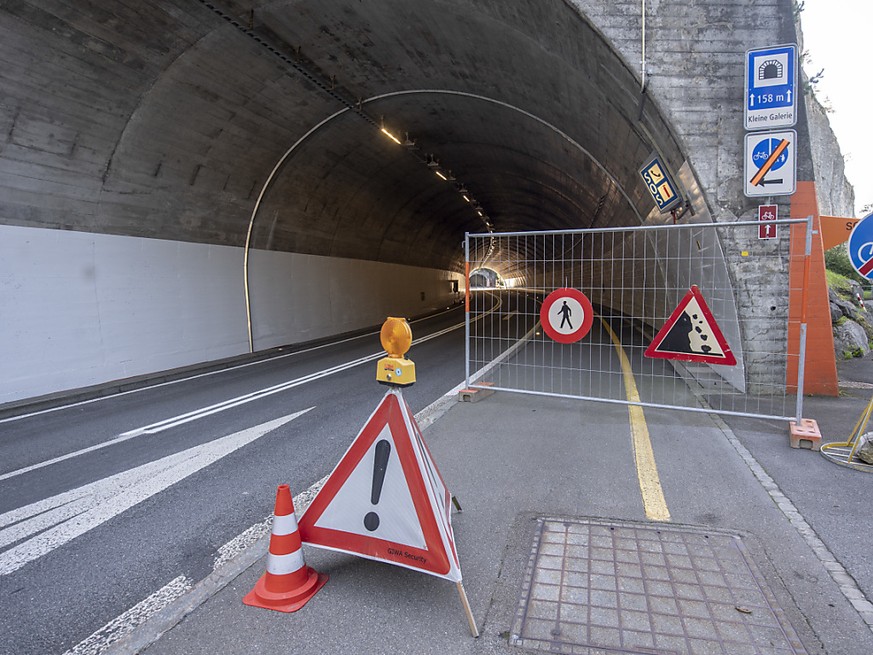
<point x="801" y="364"/>
<point x="467" y="309"/>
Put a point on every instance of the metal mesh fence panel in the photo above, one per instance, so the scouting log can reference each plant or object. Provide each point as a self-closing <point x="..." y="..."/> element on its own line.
<point x="636" y="279"/>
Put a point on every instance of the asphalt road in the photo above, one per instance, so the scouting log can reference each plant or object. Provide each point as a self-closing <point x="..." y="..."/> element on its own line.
<point x="172" y="474"/>
<point x="78" y="547"/>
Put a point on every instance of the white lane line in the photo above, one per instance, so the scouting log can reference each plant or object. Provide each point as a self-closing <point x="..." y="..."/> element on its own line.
<point x="136" y="615"/>
<point x="55" y="521"/>
<point x="61" y="458"/>
<point x="181" y="419"/>
<point x="174" y="421"/>
<point x="207" y="374"/>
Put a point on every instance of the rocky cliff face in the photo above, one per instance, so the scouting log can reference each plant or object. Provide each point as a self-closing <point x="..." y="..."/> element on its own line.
<point x="853" y="324"/>
<point x="836" y="197"/>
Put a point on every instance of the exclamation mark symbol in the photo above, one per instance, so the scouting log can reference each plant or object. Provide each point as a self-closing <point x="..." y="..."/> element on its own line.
<point x="383" y="451"/>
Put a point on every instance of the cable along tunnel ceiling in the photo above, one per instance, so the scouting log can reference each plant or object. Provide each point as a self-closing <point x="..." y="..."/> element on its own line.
<point x="523" y="102"/>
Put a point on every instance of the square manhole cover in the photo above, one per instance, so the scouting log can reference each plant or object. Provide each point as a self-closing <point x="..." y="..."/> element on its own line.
<point x="596" y="587"/>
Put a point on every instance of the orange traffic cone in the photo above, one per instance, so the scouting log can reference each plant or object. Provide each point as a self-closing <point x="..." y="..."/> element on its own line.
<point x="288" y="583"/>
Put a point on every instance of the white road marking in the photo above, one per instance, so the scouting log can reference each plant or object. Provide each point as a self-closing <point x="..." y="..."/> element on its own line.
<point x="174" y="421"/>
<point x="202" y="412"/>
<point x="55" y="460"/>
<point x="103" y="639"/>
<point x="55" y="521"/>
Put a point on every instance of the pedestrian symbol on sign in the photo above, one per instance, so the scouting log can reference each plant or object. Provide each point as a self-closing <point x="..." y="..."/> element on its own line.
<point x="565" y="313"/>
<point x="557" y="310"/>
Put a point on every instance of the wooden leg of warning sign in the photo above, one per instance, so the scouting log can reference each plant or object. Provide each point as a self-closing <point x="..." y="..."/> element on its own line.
<point x="456" y="503"/>
<point x="463" y="594"/>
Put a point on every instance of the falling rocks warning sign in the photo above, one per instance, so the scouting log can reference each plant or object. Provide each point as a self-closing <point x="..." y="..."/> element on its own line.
<point x="691" y="334"/>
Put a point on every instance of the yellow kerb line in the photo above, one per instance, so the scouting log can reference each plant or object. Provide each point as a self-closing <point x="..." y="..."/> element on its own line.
<point x="644" y="457"/>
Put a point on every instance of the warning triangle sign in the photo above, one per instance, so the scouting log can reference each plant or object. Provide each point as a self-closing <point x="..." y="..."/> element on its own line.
<point x="386" y="499"/>
<point x="691" y="334"/>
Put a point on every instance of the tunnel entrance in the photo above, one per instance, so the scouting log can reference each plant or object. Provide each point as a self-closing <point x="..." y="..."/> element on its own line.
<point x="332" y="141"/>
<point x="486" y="278"/>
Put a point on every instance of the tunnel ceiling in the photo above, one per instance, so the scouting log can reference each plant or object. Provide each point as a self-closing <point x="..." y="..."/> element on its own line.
<point x="201" y="117"/>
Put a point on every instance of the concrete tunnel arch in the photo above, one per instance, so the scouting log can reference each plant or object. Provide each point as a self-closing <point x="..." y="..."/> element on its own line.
<point x="501" y="266"/>
<point x="286" y="160"/>
<point x="166" y="133"/>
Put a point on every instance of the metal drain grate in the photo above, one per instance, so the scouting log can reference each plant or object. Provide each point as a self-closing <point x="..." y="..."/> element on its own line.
<point x="597" y="588"/>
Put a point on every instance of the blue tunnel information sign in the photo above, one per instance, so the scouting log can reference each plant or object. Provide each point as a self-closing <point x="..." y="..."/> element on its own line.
<point x="771" y="80"/>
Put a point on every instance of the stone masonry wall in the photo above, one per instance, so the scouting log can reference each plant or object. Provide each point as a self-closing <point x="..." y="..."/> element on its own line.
<point x="695" y="57"/>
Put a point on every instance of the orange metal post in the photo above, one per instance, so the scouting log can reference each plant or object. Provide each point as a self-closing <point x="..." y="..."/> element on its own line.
<point x="820" y="373"/>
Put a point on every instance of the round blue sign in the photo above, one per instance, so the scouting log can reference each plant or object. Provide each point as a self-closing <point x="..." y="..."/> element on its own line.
<point x="764" y="149"/>
<point x="861" y="247"/>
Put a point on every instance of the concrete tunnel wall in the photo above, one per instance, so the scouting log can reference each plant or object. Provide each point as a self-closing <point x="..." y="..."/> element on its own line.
<point x="129" y="306"/>
<point x="158" y="125"/>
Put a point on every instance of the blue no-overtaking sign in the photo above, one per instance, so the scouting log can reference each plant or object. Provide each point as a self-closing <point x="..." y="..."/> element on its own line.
<point x="771" y="80"/>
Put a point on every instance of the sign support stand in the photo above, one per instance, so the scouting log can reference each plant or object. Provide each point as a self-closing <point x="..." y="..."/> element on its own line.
<point x="342" y="515"/>
<point x="463" y="594"/>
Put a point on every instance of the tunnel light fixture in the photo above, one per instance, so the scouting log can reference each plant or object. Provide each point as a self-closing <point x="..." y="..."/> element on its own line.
<point x="434" y="164"/>
<point x="391" y="136"/>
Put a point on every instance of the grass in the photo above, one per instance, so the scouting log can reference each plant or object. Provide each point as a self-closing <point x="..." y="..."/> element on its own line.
<point x="839" y="283"/>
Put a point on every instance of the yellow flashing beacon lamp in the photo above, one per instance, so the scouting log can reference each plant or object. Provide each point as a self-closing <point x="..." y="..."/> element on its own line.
<point x="395" y="369"/>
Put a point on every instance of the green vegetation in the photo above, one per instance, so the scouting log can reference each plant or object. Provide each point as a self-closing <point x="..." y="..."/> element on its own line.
<point x="839" y="283"/>
<point x="837" y="260"/>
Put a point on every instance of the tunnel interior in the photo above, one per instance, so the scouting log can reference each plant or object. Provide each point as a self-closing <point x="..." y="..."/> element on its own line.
<point x="371" y="134"/>
<point x="528" y="116"/>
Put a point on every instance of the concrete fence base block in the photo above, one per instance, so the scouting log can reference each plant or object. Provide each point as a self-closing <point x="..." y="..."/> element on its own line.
<point x="805" y="434"/>
<point x="474" y="395"/>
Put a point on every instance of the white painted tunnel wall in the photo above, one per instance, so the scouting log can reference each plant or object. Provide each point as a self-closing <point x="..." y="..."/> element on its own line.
<point x="332" y="296"/>
<point x="78" y="309"/>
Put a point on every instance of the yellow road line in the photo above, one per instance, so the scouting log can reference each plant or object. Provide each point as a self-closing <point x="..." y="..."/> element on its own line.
<point x="644" y="457"/>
